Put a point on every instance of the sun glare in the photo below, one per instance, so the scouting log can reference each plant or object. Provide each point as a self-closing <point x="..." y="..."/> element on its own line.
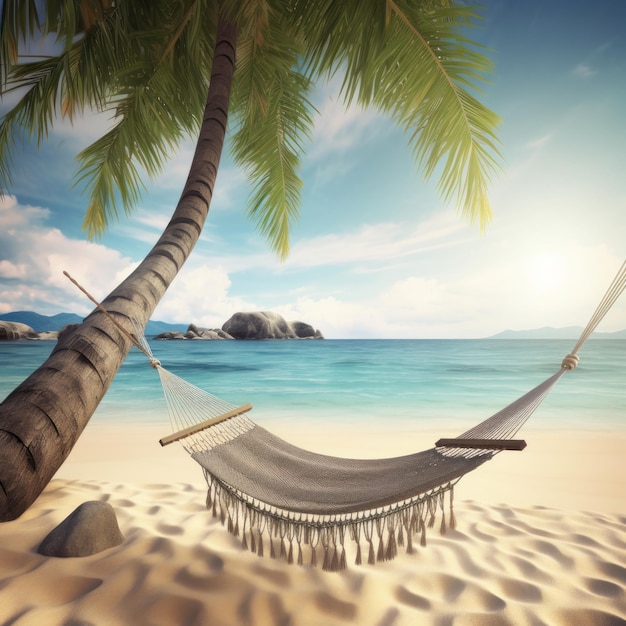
<point x="546" y="271"/>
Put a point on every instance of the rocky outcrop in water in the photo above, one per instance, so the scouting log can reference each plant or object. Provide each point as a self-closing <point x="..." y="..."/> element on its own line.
<point x="268" y="325"/>
<point x="14" y="331"/>
<point x="253" y="325"/>
<point x="194" y="332"/>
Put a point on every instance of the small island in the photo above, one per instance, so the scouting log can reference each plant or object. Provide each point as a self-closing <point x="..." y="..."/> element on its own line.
<point x="250" y="325"/>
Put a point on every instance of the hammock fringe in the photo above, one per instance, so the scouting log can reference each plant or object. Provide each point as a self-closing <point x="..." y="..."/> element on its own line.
<point x="383" y="530"/>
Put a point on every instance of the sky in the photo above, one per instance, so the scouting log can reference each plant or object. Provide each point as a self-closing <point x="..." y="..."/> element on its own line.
<point x="377" y="253"/>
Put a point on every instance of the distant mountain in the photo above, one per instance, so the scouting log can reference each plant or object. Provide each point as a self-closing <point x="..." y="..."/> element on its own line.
<point x="547" y="332"/>
<point x="44" y="323"/>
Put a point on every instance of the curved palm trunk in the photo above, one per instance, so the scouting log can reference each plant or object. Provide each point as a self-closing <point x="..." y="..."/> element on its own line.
<point x="41" y="420"/>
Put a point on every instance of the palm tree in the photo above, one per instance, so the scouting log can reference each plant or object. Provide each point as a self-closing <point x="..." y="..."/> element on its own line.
<point x="166" y="70"/>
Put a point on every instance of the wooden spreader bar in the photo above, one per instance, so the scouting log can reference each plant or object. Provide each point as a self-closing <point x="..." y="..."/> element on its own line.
<point x="486" y="444"/>
<point x="196" y="428"/>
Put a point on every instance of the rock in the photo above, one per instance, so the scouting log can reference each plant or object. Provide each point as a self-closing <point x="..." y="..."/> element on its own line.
<point x="89" y="529"/>
<point x="213" y="334"/>
<point x="258" y="325"/>
<point x="193" y="332"/>
<point x="175" y="335"/>
<point x="14" y="331"/>
<point x="253" y="325"/>
<point x="306" y="331"/>
<point x="267" y="325"/>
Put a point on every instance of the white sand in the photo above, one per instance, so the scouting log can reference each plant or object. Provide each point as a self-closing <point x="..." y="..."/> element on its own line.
<point x="553" y="554"/>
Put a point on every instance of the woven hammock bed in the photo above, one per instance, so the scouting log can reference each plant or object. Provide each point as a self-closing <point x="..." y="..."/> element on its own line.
<point x="291" y="502"/>
<point x="278" y="497"/>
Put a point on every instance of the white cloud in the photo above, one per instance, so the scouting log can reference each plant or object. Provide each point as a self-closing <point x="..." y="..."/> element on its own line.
<point x="231" y="189"/>
<point x="382" y="242"/>
<point x="7" y="203"/>
<point x="34" y="257"/>
<point x="478" y="301"/>
<point x="200" y="295"/>
<point x="143" y="225"/>
<point x="416" y="299"/>
<point x="461" y="288"/>
<point x="84" y="128"/>
<point x="12" y="270"/>
<point x="338" y="129"/>
<point x="369" y="248"/>
<point x="335" y="318"/>
<point x="539" y="142"/>
<point x="584" y="71"/>
<point x="13" y="216"/>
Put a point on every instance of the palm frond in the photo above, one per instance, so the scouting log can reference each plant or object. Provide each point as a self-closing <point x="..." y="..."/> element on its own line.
<point x="19" y="20"/>
<point x="158" y="101"/>
<point x="143" y="61"/>
<point x="272" y="159"/>
<point x="411" y="61"/>
<point x="273" y="119"/>
<point x="148" y="63"/>
<point x="53" y="87"/>
<point x="33" y="114"/>
<point x="446" y="124"/>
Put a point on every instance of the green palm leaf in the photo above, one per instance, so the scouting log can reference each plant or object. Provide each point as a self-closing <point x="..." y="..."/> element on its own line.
<point x="147" y="63"/>
<point x="272" y="119"/>
<point x="410" y="61"/>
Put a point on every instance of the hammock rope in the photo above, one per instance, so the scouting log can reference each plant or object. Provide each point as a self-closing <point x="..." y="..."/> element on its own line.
<point x="293" y="502"/>
<point x="610" y="298"/>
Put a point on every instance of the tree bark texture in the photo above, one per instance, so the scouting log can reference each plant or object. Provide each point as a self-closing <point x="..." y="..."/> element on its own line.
<point x="41" y="420"/>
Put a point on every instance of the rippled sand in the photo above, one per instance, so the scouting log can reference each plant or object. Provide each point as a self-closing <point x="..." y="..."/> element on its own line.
<point x="519" y="563"/>
<point x="503" y="565"/>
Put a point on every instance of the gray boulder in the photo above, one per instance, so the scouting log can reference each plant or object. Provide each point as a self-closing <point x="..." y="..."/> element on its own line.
<point x="170" y="334"/>
<point x="89" y="529"/>
<point x="193" y="332"/>
<point x="267" y="325"/>
<point x="254" y="325"/>
<point x="14" y="331"/>
<point x="305" y="331"/>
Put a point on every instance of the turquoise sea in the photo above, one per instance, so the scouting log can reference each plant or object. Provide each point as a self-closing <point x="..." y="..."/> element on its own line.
<point x="421" y="383"/>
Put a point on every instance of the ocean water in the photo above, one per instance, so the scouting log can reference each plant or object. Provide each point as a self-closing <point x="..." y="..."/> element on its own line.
<point x="411" y="383"/>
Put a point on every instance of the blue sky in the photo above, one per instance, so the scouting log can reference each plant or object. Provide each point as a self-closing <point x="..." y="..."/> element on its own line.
<point x="377" y="253"/>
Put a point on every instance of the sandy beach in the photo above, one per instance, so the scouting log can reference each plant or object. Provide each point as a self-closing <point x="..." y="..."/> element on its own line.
<point x="540" y="539"/>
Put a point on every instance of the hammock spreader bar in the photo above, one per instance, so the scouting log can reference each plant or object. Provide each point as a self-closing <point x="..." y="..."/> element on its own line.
<point x="482" y="444"/>
<point x="192" y="430"/>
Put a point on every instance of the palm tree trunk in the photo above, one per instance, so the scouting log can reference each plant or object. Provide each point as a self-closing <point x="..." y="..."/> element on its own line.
<point x="41" y="420"/>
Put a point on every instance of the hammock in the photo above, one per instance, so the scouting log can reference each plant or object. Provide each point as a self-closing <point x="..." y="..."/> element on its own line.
<point x="290" y="501"/>
<point x="275" y="495"/>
